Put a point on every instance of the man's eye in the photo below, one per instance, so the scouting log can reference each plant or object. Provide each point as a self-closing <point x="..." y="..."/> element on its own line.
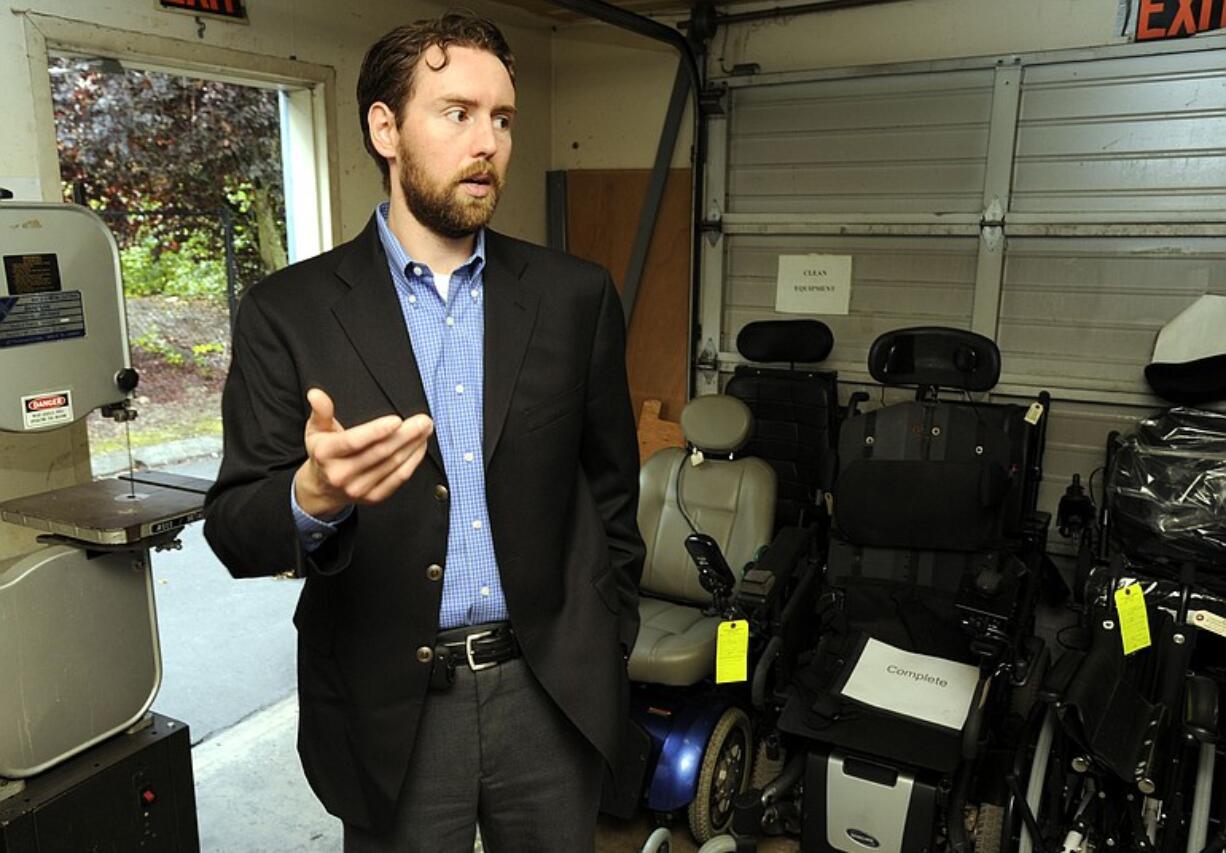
<point x="502" y="122"/>
<point x="457" y="115"/>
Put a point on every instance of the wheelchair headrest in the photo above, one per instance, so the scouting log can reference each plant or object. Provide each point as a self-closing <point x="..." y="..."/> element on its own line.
<point x="1189" y="361"/>
<point x="785" y="340"/>
<point x="1189" y="383"/>
<point x="716" y="423"/>
<point x="934" y="355"/>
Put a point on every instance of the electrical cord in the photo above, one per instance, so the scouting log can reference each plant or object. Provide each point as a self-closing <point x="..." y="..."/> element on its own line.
<point x="685" y="457"/>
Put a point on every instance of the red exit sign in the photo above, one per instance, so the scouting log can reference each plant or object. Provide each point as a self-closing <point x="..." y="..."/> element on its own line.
<point x="235" y="10"/>
<point x="1164" y="19"/>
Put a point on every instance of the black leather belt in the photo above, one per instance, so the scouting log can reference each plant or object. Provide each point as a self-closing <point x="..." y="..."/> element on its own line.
<point x="477" y="646"/>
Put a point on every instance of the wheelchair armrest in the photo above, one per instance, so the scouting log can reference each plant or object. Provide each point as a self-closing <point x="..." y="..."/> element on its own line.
<point x="1200" y="716"/>
<point x="853" y="403"/>
<point x="972" y="731"/>
<point x="1060" y="675"/>
<point x="765" y="580"/>
<point x="827" y="471"/>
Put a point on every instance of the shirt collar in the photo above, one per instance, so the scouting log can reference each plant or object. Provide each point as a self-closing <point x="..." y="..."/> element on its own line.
<point x="401" y="260"/>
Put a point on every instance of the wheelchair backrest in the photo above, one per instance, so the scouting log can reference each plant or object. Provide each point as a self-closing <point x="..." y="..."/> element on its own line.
<point x="931" y="473"/>
<point x="732" y="500"/>
<point x="795" y="411"/>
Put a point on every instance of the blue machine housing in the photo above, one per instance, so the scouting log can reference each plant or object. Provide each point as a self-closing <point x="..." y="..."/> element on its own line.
<point x="680" y="726"/>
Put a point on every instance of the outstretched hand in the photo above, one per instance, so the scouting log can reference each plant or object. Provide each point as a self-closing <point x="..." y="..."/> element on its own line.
<point x="364" y="464"/>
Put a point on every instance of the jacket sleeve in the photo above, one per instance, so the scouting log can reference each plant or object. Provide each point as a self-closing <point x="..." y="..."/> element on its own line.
<point x="249" y="522"/>
<point x="610" y="456"/>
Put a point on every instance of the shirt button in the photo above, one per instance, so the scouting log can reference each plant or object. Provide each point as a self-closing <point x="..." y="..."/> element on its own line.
<point x="317" y="536"/>
<point x="451" y="321"/>
<point x="468" y="457"/>
<point x="459" y="389"/>
<point x="434" y="572"/>
<point x="473" y="293"/>
<point x="440" y="492"/>
<point x="485" y="590"/>
<point x="477" y="524"/>
<point x="412" y="299"/>
<point x="425" y="654"/>
<point x="416" y="270"/>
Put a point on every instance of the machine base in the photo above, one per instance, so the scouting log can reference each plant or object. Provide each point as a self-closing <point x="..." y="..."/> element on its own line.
<point x="133" y="792"/>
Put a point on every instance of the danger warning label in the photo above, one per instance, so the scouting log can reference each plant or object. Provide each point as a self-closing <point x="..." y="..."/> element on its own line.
<point x="39" y="411"/>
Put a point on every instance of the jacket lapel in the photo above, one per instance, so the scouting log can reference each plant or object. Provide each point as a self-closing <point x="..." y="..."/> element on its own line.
<point x="371" y="317"/>
<point x="510" y="312"/>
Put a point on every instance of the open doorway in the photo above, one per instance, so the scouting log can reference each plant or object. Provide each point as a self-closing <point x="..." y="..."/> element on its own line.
<point x="207" y="185"/>
<point x="190" y="176"/>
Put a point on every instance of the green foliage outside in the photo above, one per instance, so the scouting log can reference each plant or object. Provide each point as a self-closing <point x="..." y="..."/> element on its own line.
<point x="190" y="269"/>
<point x="167" y="161"/>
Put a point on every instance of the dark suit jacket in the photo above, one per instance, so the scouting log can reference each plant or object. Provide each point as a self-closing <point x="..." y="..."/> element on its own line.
<point x="561" y="481"/>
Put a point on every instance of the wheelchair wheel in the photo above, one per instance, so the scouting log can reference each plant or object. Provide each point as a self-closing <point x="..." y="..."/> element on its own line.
<point x="659" y="841"/>
<point x="765" y="768"/>
<point x="989" y="828"/>
<point x="724" y="774"/>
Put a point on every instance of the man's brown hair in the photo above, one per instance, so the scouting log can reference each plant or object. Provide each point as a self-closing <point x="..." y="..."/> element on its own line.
<point x="390" y="67"/>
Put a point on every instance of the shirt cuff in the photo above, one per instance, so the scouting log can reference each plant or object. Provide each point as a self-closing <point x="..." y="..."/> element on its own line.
<point x="312" y="531"/>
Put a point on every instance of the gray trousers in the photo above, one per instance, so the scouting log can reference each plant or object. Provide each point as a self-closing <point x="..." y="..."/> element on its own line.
<point x="494" y="750"/>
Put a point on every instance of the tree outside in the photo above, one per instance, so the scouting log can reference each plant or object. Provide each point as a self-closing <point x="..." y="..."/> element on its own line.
<point x="187" y="173"/>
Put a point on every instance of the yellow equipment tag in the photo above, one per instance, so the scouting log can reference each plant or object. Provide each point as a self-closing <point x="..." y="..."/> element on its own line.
<point x="732" y="652"/>
<point x="1134" y="620"/>
<point x="1034" y="414"/>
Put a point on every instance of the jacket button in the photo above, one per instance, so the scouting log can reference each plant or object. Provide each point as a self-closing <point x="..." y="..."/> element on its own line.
<point x="440" y="492"/>
<point x="434" y="571"/>
<point x="425" y="654"/>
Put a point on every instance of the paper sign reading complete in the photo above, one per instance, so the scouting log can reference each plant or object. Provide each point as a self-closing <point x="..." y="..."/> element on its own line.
<point x="732" y="652"/>
<point x="928" y="688"/>
<point x="1134" y="621"/>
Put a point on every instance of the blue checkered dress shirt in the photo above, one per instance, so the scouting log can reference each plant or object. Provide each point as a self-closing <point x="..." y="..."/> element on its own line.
<point x="448" y="343"/>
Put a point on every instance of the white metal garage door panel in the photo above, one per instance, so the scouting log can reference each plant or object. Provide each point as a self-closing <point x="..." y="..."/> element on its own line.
<point x="1083" y="313"/>
<point x="903" y="143"/>
<point x="896" y="281"/>
<point x="1141" y="133"/>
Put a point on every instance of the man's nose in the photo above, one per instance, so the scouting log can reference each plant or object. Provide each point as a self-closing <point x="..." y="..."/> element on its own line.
<point x="484" y="141"/>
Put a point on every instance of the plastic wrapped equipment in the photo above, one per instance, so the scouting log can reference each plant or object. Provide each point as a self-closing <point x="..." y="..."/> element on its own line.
<point x="1167" y="489"/>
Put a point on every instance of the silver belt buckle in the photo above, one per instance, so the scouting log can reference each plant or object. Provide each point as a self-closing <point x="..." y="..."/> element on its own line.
<point x="468" y="651"/>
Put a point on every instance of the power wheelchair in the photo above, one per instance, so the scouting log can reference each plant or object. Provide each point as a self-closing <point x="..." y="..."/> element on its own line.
<point x="1127" y="751"/>
<point x="936" y="561"/>
<point x="796" y="413"/>
<point x="702" y="510"/>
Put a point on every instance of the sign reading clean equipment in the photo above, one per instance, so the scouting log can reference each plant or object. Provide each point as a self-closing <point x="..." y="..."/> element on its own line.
<point x="814" y="284"/>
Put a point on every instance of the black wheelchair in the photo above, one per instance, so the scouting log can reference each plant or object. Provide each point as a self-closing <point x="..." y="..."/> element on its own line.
<point x="897" y="729"/>
<point x="1126" y="755"/>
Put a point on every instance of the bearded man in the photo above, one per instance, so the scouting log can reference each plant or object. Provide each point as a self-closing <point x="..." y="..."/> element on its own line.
<point x="431" y="424"/>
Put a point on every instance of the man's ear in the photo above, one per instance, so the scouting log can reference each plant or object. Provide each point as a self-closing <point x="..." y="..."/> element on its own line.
<point x="384" y="134"/>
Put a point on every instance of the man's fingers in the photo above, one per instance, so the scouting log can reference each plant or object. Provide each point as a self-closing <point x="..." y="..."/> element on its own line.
<point x="364" y="486"/>
<point x="323" y="412"/>
<point x="355" y="471"/>
<point x="354" y="441"/>
<point x="396" y="478"/>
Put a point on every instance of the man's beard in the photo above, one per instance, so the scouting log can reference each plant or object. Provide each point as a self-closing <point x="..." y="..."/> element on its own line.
<point x="439" y="206"/>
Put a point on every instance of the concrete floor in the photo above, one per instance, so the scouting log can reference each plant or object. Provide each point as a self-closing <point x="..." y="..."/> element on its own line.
<point x="229" y="673"/>
<point x="251" y="797"/>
